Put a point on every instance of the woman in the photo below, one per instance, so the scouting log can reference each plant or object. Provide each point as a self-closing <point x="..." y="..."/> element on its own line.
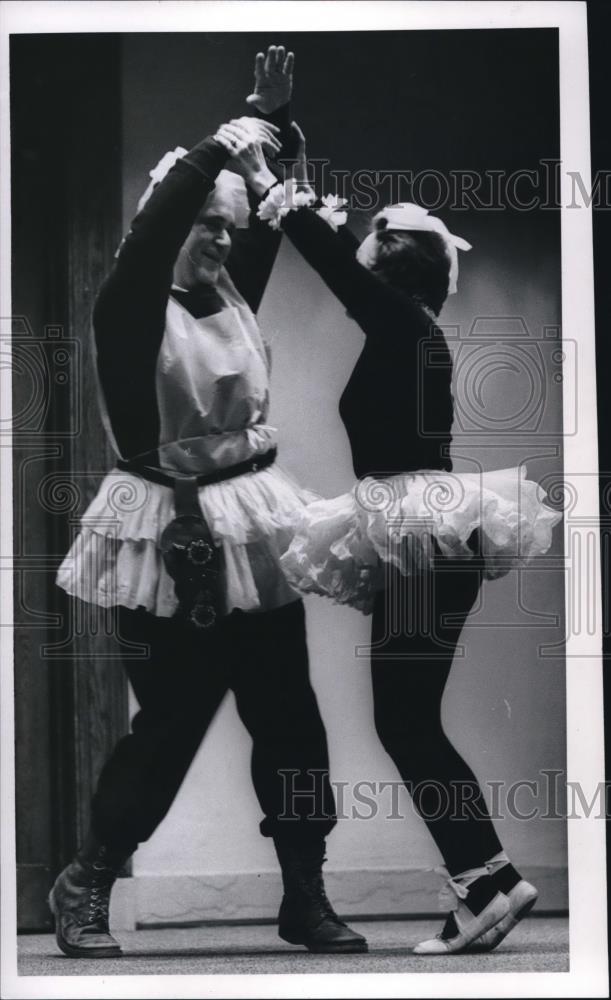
<point x="411" y="541"/>
<point x="185" y="536"/>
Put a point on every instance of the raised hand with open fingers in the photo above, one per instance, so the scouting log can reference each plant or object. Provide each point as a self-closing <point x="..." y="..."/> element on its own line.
<point x="273" y="79"/>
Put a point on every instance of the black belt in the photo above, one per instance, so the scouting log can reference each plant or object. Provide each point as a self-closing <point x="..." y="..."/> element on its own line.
<point x="155" y="475"/>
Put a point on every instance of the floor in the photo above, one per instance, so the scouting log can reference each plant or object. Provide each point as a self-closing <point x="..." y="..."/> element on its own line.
<point x="538" y="944"/>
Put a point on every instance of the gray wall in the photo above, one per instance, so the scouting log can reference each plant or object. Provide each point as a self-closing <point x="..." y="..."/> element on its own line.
<point x="411" y="101"/>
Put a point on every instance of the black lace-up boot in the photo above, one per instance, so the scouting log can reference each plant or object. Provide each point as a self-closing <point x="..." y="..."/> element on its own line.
<point x="306" y="915"/>
<point x="80" y="899"/>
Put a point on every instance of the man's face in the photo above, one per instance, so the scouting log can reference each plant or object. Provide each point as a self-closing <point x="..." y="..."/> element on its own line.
<point x="207" y="246"/>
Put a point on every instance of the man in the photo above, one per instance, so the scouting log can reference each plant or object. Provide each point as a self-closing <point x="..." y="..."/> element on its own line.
<point x="184" y="380"/>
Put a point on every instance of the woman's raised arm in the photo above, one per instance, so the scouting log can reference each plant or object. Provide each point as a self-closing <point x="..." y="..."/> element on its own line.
<point x="368" y="300"/>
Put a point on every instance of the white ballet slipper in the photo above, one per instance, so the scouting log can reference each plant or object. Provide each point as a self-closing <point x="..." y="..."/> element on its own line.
<point x="521" y="899"/>
<point x="469" y="926"/>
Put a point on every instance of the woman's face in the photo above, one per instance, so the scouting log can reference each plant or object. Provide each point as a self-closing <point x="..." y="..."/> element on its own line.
<point x="207" y="246"/>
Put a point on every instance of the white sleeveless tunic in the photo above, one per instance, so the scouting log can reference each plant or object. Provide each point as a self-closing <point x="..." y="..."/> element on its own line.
<point x="212" y="384"/>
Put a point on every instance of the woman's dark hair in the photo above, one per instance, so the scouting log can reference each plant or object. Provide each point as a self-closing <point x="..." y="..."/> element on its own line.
<point x="415" y="262"/>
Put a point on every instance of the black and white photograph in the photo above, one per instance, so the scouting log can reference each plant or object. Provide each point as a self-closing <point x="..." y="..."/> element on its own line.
<point x="301" y="590"/>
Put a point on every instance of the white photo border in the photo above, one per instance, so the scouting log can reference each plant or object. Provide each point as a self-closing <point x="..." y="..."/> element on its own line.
<point x="585" y="742"/>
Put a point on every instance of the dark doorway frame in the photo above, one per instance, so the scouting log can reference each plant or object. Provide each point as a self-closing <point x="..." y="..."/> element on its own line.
<point x="71" y="701"/>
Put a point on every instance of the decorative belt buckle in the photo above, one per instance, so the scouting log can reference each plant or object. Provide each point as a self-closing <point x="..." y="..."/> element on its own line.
<point x="194" y="563"/>
<point x="200" y="552"/>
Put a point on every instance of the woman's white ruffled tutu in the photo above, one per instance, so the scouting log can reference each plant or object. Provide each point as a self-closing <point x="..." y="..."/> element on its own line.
<point x="343" y="547"/>
<point x="116" y="559"/>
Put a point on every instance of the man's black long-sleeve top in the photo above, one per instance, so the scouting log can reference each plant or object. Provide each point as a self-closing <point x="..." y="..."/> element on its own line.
<point x="129" y="314"/>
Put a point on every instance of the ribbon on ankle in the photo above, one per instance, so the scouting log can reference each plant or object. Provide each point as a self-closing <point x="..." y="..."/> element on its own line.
<point x="456" y="887"/>
<point x="498" y="861"/>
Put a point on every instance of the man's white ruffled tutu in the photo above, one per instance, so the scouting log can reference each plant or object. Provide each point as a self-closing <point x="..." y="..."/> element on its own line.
<point x="116" y="556"/>
<point x="343" y="547"/>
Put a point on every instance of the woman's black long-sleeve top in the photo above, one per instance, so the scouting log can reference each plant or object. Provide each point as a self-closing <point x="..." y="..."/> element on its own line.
<point x="397" y="406"/>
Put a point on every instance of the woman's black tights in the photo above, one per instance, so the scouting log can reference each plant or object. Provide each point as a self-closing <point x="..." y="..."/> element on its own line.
<point x="417" y="622"/>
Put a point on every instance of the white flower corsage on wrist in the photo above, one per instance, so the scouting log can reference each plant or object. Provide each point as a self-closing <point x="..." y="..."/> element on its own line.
<point x="330" y="211"/>
<point x="282" y="199"/>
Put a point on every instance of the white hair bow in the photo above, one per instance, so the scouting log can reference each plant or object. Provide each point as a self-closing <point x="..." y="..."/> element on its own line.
<point x="407" y="216"/>
<point x="157" y="174"/>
